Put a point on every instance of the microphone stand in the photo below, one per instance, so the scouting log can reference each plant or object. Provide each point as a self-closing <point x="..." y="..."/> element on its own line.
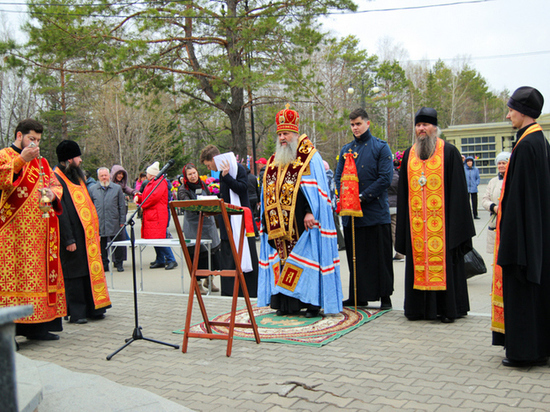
<point x="136" y="334"/>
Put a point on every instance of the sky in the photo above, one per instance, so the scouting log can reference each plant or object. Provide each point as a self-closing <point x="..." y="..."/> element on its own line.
<point x="506" y="41"/>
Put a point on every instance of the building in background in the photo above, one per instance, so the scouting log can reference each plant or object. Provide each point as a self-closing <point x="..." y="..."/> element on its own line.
<point x="484" y="141"/>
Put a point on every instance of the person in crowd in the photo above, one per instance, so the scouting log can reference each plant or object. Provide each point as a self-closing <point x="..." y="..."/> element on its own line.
<point x="233" y="190"/>
<point x="491" y="197"/>
<point x="434" y="225"/>
<point x="80" y="251"/>
<point x="261" y="162"/>
<point x="392" y="199"/>
<point x="90" y="181"/>
<point x="473" y="180"/>
<point x="333" y="201"/>
<point x="29" y="237"/>
<point x="523" y="227"/>
<point x="372" y="231"/>
<point x="191" y="187"/>
<point x="156" y="216"/>
<point x="253" y="197"/>
<point x="119" y="176"/>
<point x="111" y="211"/>
<point x="299" y="253"/>
<point x="142" y="177"/>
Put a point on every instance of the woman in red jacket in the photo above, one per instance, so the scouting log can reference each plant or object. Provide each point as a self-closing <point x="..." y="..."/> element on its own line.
<point x="156" y="217"/>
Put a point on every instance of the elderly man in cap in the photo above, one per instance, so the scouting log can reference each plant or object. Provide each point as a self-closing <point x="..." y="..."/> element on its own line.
<point x="299" y="263"/>
<point x="523" y="228"/>
<point x="80" y="251"/>
<point x="434" y="225"/>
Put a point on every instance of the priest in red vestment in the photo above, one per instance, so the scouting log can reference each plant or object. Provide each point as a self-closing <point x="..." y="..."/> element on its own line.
<point x="30" y="269"/>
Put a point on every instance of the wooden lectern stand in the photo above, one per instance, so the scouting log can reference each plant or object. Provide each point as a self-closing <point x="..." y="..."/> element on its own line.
<point x="210" y="208"/>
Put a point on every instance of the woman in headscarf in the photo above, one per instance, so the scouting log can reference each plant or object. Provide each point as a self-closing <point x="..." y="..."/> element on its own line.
<point x="491" y="196"/>
<point x="191" y="187"/>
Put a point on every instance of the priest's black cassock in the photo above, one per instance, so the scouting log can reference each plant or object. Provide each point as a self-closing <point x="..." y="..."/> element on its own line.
<point x="459" y="229"/>
<point x="524" y="252"/>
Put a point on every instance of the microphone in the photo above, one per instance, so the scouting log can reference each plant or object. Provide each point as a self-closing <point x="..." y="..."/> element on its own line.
<point x="165" y="168"/>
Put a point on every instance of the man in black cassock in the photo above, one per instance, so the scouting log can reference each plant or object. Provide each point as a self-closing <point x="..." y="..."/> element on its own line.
<point x="238" y="185"/>
<point x="524" y="250"/>
<point x="80" y="249"/>
<point x="446" y="299"/>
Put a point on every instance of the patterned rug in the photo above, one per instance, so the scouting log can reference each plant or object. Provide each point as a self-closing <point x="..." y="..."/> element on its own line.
<point x="296" y="330"/>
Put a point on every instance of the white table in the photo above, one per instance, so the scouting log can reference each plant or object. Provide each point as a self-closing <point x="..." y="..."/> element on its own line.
<point x="172" y="243"/>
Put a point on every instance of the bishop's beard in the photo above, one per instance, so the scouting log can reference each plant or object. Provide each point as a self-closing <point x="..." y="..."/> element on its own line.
<point x="74" y="173"/>
<point x="425" y="147"/>
<point x="285" y="154"/>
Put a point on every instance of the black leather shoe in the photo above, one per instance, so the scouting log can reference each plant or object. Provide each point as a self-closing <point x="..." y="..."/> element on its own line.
<point x="349" y="302"/>
<point x="385" y="303"/>
<point x="171" y="265"/>
<point x="44" y="336"/>
<point x="79" y="321"/>
<point x="445" y="319"/>
<point x="524" y="364"/>
<point x="280" y="312"/>
<point x="156" y="266"/>
<point x="312" y="314"/>
<point x="120" y="268"/>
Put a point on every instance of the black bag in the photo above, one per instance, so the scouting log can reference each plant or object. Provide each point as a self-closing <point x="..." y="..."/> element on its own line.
<point x="474" y="264"/>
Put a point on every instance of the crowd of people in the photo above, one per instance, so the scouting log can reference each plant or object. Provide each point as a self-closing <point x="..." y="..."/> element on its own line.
<point x="55" y="225"/>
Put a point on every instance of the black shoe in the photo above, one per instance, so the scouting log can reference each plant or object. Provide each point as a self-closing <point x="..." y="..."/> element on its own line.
<point x="385" y="303"/>
<point x="79" y="321"/>
<point x="98" y="317"/>
<point x="524" y="364"/>
<point x="171" y="265"/>
<point x="445" y="319"/>
<point x="350" y="302"/>
<point x="44" y="336"/>
<point x="280" y="312"/>
<point x="120" y="268"/>
<point x="312" y="314"/>
<point x="156" y="265"/>
<point x="476" y="217"/>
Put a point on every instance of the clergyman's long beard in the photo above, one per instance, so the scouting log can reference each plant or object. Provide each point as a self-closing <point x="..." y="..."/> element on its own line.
<point x="285" y="154"/>
<point x="74" y="173"/>
<point x="425" y="147"/>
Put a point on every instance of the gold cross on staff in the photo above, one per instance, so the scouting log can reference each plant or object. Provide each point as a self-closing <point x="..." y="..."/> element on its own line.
<point x="287" y="106"/>
<point x="354" y="154"/>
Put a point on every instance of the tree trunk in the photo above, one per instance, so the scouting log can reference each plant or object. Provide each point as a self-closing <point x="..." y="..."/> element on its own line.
<point x="236" y="115"/>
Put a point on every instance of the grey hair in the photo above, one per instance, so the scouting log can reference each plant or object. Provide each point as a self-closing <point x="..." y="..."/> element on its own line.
<point x="102" y="168"/>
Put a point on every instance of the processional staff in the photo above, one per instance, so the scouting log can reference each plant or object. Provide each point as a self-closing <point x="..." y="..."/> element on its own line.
<point x="350" y="204"/>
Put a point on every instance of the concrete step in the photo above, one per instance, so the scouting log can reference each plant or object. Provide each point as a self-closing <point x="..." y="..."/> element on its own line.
<point x="47" y="387"/>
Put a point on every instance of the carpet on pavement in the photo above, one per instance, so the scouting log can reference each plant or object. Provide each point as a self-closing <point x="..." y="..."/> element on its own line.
<point x="296" y="329"/>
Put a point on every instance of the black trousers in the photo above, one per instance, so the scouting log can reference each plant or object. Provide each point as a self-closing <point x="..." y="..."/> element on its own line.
<point x="473" y="197"/>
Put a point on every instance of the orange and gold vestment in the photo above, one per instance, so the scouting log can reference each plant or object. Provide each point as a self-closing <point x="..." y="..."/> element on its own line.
<point x="30" y="269"/>
<point x="87" y="215"/>
<point x="427" y="219"/>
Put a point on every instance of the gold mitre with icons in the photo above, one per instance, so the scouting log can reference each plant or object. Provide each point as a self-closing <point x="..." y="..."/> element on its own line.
<point x="287" y="120"/>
